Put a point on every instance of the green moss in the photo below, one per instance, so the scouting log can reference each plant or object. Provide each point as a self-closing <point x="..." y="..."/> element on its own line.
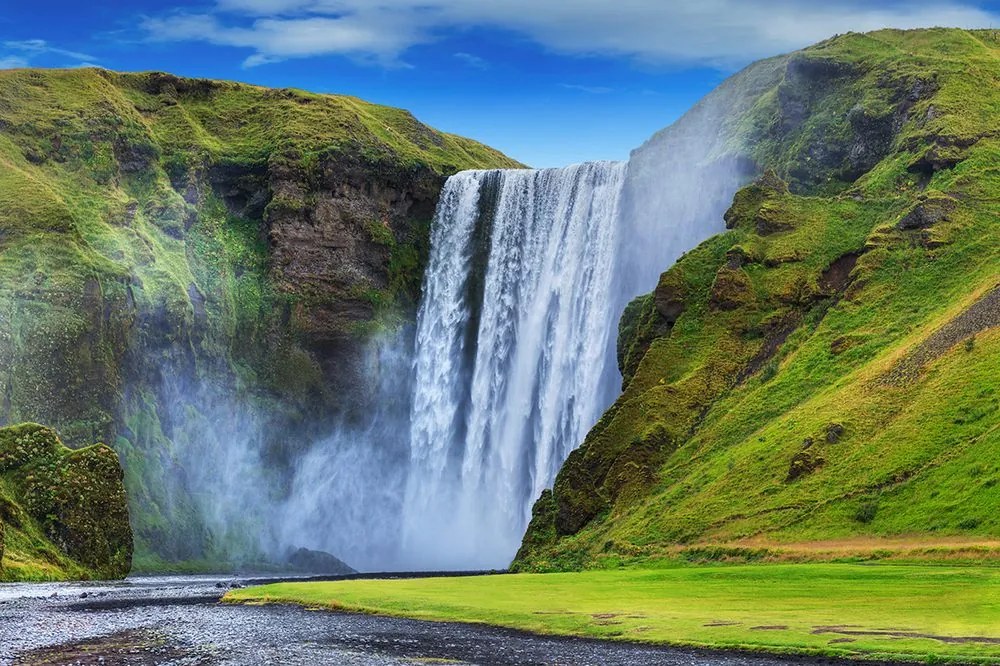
<point x="64" y="511"/>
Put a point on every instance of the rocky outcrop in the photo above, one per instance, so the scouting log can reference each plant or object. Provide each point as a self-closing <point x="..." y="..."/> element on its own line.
<point x="319" y="563"/>
<point x="67" y="516"/>
<point x="928" y="211"/>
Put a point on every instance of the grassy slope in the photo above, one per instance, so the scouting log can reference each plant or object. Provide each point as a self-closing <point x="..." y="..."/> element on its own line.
<point x="62" y="513"/>
<point x="818" y="609"/>
<point x="700" y="448"/>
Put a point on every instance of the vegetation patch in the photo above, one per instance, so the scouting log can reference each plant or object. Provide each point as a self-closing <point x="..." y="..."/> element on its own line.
<point x="63" y="513"/>
<point x="826" y="368"/>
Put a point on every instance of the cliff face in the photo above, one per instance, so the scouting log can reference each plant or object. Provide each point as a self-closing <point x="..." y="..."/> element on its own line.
<point x="165" y="238"/>
<point x="826" y="368"/>
<point x="63" y="513"/>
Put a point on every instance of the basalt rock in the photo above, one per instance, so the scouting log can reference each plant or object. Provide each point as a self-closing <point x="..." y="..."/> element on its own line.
<point x="318" y="562"/>
<point x="928" y="211"/>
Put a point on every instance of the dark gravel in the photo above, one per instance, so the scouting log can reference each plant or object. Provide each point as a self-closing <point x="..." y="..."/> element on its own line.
<point x="178" y="620"/>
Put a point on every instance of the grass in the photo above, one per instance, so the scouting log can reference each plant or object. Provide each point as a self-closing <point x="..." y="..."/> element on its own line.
<point x="907" y="613"/>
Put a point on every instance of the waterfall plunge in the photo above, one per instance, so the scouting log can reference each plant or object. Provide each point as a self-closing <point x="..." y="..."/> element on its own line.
<point x="512" y="362"/>
<point x="514" y="356"/>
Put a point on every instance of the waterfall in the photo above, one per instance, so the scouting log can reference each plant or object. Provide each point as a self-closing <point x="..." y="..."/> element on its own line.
<point x="512" y="362"/>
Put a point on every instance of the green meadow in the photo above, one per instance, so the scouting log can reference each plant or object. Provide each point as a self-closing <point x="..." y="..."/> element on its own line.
<point x="913" y="613"/>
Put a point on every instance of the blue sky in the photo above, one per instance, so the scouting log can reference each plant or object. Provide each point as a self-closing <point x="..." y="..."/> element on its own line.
<point x="550" y="82"/>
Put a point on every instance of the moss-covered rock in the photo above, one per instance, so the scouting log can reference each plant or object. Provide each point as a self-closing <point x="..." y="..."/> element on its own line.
<point x="65" y="512"/>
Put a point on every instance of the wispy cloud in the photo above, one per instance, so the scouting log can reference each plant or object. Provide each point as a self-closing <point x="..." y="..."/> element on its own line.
<point x="710" y="32"/>
<point x="12" y="62"/>
<point x="592" y="90"/>
<point x="473" y="61"/>
<point x="275" y="39"/>
<point x="35" y="47"/>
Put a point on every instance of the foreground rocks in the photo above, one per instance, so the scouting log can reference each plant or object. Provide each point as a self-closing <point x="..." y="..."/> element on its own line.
<point x="63" y="513"/>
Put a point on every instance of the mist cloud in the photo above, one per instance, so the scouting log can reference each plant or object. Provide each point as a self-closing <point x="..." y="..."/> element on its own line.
<point x="721" y="33"/>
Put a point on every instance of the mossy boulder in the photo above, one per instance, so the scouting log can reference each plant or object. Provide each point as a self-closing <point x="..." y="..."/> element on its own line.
<point x="65" y="510"/>
<point x="731" y="289"/>
<point x="929" y="210"/>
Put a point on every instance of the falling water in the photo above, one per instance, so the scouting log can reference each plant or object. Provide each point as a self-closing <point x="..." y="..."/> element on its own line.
<point x="512" y="367"/>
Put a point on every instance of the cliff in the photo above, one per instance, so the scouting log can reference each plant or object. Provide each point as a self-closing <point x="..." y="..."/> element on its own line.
<point x="168" y="242"/>
<point x="826" y="368"/>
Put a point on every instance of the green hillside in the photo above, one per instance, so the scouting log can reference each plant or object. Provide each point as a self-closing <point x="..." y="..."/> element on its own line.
<point x="160" y="234"/>
<point x="823" y="379"/>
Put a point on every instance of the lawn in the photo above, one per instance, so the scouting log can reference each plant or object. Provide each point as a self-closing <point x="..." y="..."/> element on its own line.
<point x="911" y="613"/>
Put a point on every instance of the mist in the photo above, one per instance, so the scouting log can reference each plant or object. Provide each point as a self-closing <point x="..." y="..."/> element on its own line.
<point x="470" y="412"/>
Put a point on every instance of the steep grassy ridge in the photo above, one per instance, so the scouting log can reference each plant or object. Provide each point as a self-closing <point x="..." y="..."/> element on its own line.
<point x="827" y="369"/>
<point x="166" y="242"/>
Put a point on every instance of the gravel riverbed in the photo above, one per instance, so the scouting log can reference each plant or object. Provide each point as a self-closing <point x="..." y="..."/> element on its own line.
<point x="179" y="620"/>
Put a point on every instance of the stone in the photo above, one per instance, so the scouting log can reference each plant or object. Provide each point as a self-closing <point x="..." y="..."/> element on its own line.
<point x="318" y="562"/>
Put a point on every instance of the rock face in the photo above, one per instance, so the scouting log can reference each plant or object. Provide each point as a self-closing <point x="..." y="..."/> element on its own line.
<point x="65" y="511"/>
<point x="784" y="381"/>
<point x="170" y="248"/>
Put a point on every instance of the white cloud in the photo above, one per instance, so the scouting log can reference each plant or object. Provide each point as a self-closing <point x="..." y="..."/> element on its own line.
<point x="715" y="32"/>
<point x="34" y="47"/>
<point x="592" y="90"/>
<point x="12" y="62"/>
<point x="274" y="39"/>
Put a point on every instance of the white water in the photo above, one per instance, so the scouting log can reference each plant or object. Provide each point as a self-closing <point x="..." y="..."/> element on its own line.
<point x="512" y="366"/>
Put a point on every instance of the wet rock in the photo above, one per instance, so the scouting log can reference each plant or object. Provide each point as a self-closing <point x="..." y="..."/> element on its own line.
<point x="318" y="562"/>
<point x="929" y="211"/>
<point x="834" y="431"/>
